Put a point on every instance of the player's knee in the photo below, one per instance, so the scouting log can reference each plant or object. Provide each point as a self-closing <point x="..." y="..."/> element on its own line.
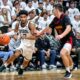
<point x="63" y="52"/>
<point x="17" y="53"/>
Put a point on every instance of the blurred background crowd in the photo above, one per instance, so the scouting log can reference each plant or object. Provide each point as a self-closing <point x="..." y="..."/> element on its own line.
<point x="40" y="12"/>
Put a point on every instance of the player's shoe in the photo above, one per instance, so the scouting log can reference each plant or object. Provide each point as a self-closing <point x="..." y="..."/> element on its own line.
<point x="68" y="75"/>
<point x="20" y="71"/>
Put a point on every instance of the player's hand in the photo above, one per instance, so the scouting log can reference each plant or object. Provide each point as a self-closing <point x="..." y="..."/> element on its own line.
<point x="37" y="33"/>
<point x="58" y="37"/>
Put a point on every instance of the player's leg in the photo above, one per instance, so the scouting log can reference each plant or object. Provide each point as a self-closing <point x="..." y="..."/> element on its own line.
<point x="66" y="58"/>
<point x="10" y="60"/>
<point x="27" y="52"/>
<point x="23" y="66"/>
<point x="71" y="64"/>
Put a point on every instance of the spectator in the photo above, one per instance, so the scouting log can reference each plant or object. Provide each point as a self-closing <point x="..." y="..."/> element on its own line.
<point x="29" y="6"/>
<point x="33" y="17"/>
<point x="35" y="4"/>
<point x="5" y="52"/>
<point x="44" y="49"/>
<point x="76" y="30"/>
<point x="5" y="20"/>
<point x="23" y="4"/>
<point x="40" y="8"/>
<point x="7" y="3"/>
<point x="4" y="55"/>
<point x="50" y="15"/>
<point x="14" y="42"/>
<point x="48" y="6"/>
<point x="76" y="25"/>
<point x="15" y="10"/>
<point x="72" y="11"/>
<point x="43" y="21"/>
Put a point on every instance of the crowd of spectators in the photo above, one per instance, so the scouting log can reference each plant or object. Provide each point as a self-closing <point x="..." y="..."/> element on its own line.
<point x="40" y="12"/>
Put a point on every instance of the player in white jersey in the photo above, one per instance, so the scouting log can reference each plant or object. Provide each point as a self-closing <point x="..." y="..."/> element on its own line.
<point x="26" y="31"/>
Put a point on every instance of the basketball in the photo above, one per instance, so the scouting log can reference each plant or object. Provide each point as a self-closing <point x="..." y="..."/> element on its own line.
<point x="4" y="40"/>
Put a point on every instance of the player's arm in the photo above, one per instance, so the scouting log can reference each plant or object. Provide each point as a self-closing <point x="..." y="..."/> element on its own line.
<point x="13" y="32"/>
<point x="31" y="35"/>
<point x="67" y="25"/>
<point x="16" y="27"/>
<point x="47" y="29"/>
<point x="67" y="30"/>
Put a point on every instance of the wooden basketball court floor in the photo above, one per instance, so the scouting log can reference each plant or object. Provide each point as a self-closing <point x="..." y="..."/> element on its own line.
<point x="39" y="75"/>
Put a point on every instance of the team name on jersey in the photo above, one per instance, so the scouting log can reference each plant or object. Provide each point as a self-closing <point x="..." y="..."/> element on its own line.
<point x="23" y="31"/>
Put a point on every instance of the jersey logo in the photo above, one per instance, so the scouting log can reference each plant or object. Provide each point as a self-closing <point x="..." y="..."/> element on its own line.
<point x="23" y="31"/>
<point x="59" y="29"/>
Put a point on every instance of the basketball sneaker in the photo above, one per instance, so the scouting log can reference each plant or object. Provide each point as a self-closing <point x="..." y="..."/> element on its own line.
<point x="68" y="75"/>
<point x="20" y="71"/>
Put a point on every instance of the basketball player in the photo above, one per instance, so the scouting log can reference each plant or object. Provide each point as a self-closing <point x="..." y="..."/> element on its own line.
<point x="62" y="24"/>
<point x="26" y="33"/>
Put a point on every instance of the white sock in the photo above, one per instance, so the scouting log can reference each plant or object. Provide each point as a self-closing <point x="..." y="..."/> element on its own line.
<point x="5" y="64"/>
<point x="22" y="67"/>
<point x="68" y="69"/>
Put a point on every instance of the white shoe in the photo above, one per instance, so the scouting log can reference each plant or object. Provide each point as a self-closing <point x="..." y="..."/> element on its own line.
<point x="75" y="68"/>
<point x="52" y="67"/>
<point x="44" y="66"/>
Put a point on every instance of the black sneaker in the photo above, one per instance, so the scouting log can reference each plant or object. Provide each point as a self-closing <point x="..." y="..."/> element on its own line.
<point x="68" y="75"/>
<point x="20" y="71"/>
<point x="2" y="68"/>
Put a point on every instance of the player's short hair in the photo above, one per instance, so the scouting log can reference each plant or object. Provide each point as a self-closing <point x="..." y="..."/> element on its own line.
<point x="23" y="12"/>
<point x="59" y="7"/>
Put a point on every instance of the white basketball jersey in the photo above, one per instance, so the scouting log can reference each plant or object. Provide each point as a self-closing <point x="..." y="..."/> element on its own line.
<point x="23" y="31"/>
